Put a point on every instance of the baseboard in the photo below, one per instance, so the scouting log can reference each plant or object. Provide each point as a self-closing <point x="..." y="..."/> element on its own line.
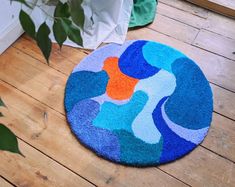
<point x="218" y="6"/>
<point x="10" y="34"/>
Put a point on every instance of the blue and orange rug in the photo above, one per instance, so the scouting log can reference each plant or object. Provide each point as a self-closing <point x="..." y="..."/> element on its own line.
<point x="141" y="103"/>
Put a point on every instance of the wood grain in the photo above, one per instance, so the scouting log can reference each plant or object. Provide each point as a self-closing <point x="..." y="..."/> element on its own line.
<point x="224" y="101"/>
<point x="59" y="58"/>
<point x="213" y="22"/>
<point x="48" y="130"/>
<point x="35" y="169"/>
<point x="203" y="168"/>
<point x="187" y="7"/>
<point x="220" y="25"/>
<point x="174" y="29"/>
<point x="216" y="43"/>
<point x="221" y="137"/>
<point x="4" y="183"/>
<point x="33" y="77"/>
<point x="225" y="7"/>
<point x="180" y="15"/>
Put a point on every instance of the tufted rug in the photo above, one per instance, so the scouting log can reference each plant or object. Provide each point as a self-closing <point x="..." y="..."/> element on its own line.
<point x="141" y="103"/>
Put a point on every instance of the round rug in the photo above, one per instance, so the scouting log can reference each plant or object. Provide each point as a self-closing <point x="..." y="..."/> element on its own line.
<point x="141" y="103"/>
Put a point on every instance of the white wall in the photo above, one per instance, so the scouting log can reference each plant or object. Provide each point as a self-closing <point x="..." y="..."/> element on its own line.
<point x="10" y="28"/>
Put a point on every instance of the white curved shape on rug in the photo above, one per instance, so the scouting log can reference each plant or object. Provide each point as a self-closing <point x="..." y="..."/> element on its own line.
<point x="105" y="98"/>
<point x="194" y="136"/>
<point x="158" y="86"/>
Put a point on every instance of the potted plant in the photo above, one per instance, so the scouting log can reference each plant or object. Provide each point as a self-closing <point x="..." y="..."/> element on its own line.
<point x="67" y="18"/>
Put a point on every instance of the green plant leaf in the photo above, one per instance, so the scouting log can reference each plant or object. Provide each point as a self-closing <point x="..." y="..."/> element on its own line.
<point x="2" y="103"/>
<point x="66" y="23"/>
<point x="59" y="32"/>
<point x="23" y="2"/>
<point x="8" y="140"/>
<point x="72" y="31"/>
<point x="75" y="35"/>
<point x="43" y="40"/>
<point x="27" y="24"/>
<point x="50" y="2"/>
<point x="77" y="12"/>
<point x="61" y="10"/>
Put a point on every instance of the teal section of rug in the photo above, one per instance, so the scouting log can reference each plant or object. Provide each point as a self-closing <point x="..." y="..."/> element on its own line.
<point x="142" y="103"/>
<point x="113" y="116"/>
<point x="143" y="12"/>
<point x="136" y="150"/>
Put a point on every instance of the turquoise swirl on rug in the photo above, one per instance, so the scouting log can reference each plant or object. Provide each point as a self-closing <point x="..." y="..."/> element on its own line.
<point x="141" y="103"/>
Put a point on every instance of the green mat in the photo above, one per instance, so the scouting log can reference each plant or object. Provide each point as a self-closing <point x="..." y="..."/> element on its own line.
<point x="143" y="12"/>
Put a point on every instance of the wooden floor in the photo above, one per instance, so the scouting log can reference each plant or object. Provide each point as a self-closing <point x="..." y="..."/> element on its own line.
<point x="225" y="7"/>
<point x="34" y="93"/>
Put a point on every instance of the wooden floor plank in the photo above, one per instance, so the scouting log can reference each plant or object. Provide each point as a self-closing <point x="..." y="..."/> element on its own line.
<point x="221" y="137"/>
<point x="33" y="77"/>
<point x="216" y="43"/>
<point x="224" y="101"/>
<point x="216" y="68"/>
<point x="4" y="183"/>
<point x="225" y="7"/>
<point x="42" y="112"/>
<point x="51" y="135"/>
<point x="187" y="7"/>
<point x="180" y="15"/>
<point x="214" y="22"/>
<point x="58" y="59"/>
<point x="35" y="169"/>
<point x="202" y="168"/>
<point x="68" y="50"/>
<point x="220" y="24"/>
<point x="174" y="29"/>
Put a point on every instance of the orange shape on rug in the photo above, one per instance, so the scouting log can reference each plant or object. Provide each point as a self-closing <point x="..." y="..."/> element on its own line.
<point x="120" y="86"/>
